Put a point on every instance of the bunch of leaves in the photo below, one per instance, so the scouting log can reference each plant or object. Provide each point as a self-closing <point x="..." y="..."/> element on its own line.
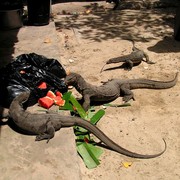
<point x="86" y="146"/>
<point x="117" y="105"/>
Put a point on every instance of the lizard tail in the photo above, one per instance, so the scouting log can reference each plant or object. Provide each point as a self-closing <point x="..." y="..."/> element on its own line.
<point x="134" y="48"/>
<point x="152" y="84"/>
<point x="118" y="59"/>
<point x="111" y="144"/>
<point x="102" y="69"/>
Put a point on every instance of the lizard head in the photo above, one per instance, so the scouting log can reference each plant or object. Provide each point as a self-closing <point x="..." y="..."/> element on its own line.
<point x="71" y="79"/>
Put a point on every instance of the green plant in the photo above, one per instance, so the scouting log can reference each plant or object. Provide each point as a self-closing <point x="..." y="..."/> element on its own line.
<point x="85" y="145"/>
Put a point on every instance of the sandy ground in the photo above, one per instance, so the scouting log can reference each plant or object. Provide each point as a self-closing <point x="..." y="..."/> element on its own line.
<point x="87" y="40"/>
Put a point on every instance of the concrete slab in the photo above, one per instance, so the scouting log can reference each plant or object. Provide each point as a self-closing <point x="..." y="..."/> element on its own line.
<point x="20" y="156"/>
<point x="39" y="39"/>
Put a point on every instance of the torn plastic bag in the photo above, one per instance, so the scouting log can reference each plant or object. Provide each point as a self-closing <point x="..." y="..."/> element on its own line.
<point x="26" y="73"/>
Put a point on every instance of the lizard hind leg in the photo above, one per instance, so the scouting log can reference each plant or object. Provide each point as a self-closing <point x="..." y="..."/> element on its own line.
<point x="127" y="93"/>
<point x="128" y="65"/>
<point x="49" y="134"/>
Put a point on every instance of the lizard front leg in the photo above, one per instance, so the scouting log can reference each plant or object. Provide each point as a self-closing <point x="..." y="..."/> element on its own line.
<point x="86" y="103"/>
<point x="127" y="93"/>
<point x="147" y="59"/>
<point x="129" y="65"/>
<point x="49" y="134"/>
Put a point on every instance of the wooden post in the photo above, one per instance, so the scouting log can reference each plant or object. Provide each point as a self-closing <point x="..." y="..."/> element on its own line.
<point x="177" y="25"/>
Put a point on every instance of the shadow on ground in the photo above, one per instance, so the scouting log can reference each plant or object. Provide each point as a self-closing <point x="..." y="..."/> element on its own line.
<point x="8" y="39"/>
<point x="103" y="25"/>
<point x="167" y="44"/>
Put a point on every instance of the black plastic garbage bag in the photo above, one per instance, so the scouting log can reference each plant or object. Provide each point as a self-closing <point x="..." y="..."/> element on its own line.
<point x="26" y="73"/>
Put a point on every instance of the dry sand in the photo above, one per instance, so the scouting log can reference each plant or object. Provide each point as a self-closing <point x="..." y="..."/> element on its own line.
<point x="86" y="42"/>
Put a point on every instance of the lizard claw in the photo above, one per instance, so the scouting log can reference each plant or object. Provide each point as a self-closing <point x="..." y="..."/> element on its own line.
<point x="128" y="98"/>
<point x="39" y="138"/>
<point x="48" y="140"/>
<point x="150" y="62"/>
<point x="128" y="68"/>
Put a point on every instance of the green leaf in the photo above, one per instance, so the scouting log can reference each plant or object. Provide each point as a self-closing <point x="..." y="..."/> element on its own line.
<point x="91" y="112"/>
<point x="81" y="139"/>
<point x="66" y="96"/>
<point x="80" y="130"/>
<point x="97" y="151"/>
<point x="67" y="105"/>
<point x="87" y="151"/>
<point x="79" y="108"/>
<point x="97" y="116"/>
<point x="117" y="105"/>
<point x="90" y="154"/>
<point x="94" y="119"/>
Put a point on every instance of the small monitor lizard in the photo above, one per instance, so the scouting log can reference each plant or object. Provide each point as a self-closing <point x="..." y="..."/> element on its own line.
<point x="116" y="2"/>
<point x="130" y="60"/>
<point x="113" y="89"/>
<point x="45" y="125"/>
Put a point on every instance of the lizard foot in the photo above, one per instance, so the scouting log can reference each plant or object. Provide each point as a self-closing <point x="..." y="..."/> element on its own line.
<point x="128" y="98"/>
<point x="150" y="62"/>
<point x="128" y="66"/>
<point x="127" y="69"/>
<point x="43" y="137"/>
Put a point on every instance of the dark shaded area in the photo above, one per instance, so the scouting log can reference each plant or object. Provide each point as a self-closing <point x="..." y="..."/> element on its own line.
<point x="38" y="12"/>
<point x="167" y="44"/>
<point x="132" y="4"/>
<point x="67" y="1"/>
<point x="1" y="122"/>
<point x="8" y="39"/>
<point x="123" y="66"/>
<point x="3" y="117"/>
<point x="177" y="25"/>
<point x="103" y="25"/>
<point x="107" y="27"/>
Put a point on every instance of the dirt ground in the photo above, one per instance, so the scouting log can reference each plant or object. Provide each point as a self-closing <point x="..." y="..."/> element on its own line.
<point x="89" y="34"/>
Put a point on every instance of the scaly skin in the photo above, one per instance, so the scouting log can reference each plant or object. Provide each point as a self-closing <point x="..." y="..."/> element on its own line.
<point x="45" y="125"/>
<point x="130" y="60"/>
<point x="114" y="88"/>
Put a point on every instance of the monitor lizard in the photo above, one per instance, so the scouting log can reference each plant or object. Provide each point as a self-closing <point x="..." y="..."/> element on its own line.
<point x="116" y="2"/>
<point x="45" y="125"/>
<point x="113" y="89"/>
<point x="130" y="60"/>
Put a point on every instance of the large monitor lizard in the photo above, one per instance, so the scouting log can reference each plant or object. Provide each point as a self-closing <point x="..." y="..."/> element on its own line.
<point x="45" y="125"/>
<point x="114" y="88"/>
<point x="130" y="60"/>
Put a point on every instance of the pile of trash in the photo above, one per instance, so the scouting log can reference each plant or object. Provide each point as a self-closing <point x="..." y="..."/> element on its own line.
<point x="26" y="73"/>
